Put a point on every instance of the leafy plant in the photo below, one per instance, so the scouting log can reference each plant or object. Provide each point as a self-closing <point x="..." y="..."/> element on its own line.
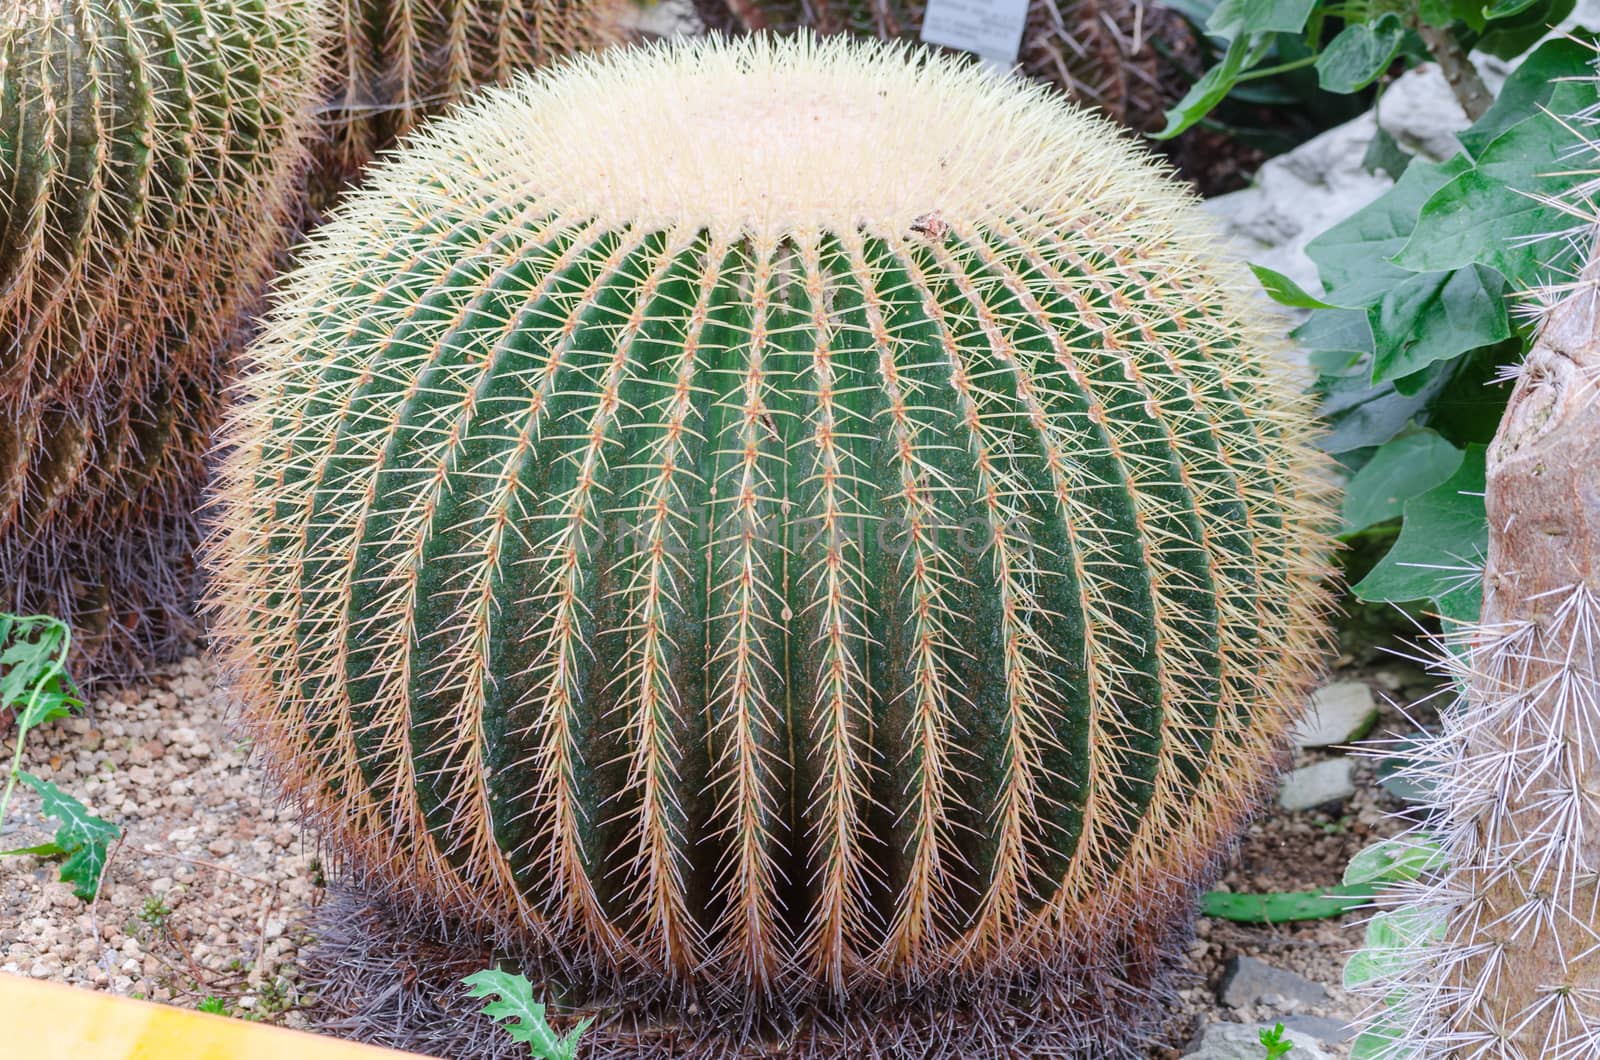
<point x="522" y="1017"/>
<point x="1417" y="326"/>
<point x="35" y="685"/>
<point x="1350" y="44"/>
<point x="155" y="912"/>
<point x="215" y="1006"/>
<point x="1274" y="1042"/>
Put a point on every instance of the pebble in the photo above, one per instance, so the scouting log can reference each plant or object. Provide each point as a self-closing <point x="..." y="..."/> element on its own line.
<point x="1338" y="713"/>
<point x="1242" y="1041"/>
<point x="1317" y="785"/>
<point x="160" y="762"/>
<point x="1248" y="981"/>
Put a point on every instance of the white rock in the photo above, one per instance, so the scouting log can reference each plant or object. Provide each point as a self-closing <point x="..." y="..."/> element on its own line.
<point x="1242" y="1041"/>
<point x="1338" y="713"/>
<point x="1316" y="784"/>
<point x="1297" y="196"/>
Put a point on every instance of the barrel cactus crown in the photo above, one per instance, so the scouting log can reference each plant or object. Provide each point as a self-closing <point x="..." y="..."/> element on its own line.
<point x="147" y="152"/>
<point x="780" y="520"/>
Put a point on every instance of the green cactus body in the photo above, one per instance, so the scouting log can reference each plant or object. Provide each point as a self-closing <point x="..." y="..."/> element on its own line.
<point x="397" y="61"/>
<point x="784" y="519"/>
<point x="147" y="149"/>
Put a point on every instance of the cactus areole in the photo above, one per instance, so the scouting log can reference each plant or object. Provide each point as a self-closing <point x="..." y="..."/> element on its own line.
<point x="782" y="520"/>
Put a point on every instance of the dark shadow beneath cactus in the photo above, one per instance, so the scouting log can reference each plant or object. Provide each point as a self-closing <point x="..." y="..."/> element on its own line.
<point x="387" y="975"/>
<point x="128" y="587"/>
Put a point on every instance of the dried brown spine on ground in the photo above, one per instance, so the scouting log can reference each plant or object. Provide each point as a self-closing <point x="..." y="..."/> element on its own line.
<point x="149" y="152"/>
<point x="796" y="524"/>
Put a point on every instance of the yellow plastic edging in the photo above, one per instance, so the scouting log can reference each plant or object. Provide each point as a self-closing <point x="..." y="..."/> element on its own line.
<point x="48" y="1021"/>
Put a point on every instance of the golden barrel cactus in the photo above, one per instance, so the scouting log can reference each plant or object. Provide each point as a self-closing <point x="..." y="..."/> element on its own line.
<point x="804" y="525"/>
<point x="149" y="151"/>
<point x="397" y="61"/>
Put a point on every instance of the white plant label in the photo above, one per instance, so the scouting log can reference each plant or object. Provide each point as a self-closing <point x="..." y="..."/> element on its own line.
<point x="990" y="29"/>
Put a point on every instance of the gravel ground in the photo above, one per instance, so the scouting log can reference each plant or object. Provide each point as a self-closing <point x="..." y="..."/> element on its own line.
<point x="203" y="893"/>
<point x="204" y="887"/>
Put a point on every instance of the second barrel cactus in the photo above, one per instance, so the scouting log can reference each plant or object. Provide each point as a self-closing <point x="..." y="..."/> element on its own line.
<point x="802" y="525"/>
<point x="395" y="62"/>
<point x="149" y="154"/>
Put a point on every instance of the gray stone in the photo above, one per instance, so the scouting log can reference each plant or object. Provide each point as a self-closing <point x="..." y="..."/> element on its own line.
<point x="1316" y="785"/>
<point x="1337" y="714"/>
<point x="1242" y="1041"/>
<point x="1324" y="1029"/>
<point x="1247" y="981"/>
<point x="1297" y="196"/>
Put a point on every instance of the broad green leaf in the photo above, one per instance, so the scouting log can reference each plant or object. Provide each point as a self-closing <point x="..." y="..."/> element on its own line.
<point x="1383" y="1041"/>
<point x="1234" y="18"/>
<point x="1385" y="155"/>
<point x="1363" y="414"/>
<point x="1444" y="12"/>
<point x="1403" y="930"/>
<point x="1468" y="408"/>
<point x="1394" y="861"/>
<point x="43" y="850"/>
<point x="1363" y="968"/>
<point x="1508" y="36"/>
<point x="1353" y="256"/>
<point x="1359" y="54"/>
<point x="1402" y="468"/>
<point x="1528" y="88"/>
<point x="80" y="835"/>
<point x="524" y="1017"/>
<point x="1491" y="214"/>
<point x="1206" y="93"/>
<point x="1439" y="554"/>
<point x="1337" y="330"/>
<point x="1284" y="291"/>
<point x="1435" y="316"/>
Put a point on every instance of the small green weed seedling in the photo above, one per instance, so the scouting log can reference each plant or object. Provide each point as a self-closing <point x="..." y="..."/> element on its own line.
<point x="523" y="1015"/>
<point x="1275" y="1043"/>
<point x="213" y="1005"/>
<point x="155" y="912"/>
<point x="34" y="683"/>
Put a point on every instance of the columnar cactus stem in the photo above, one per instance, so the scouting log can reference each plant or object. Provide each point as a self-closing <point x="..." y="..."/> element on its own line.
<point x="148" y="151"/>
<point x="1505" y="961"/>
<point x="793" y="524"/>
